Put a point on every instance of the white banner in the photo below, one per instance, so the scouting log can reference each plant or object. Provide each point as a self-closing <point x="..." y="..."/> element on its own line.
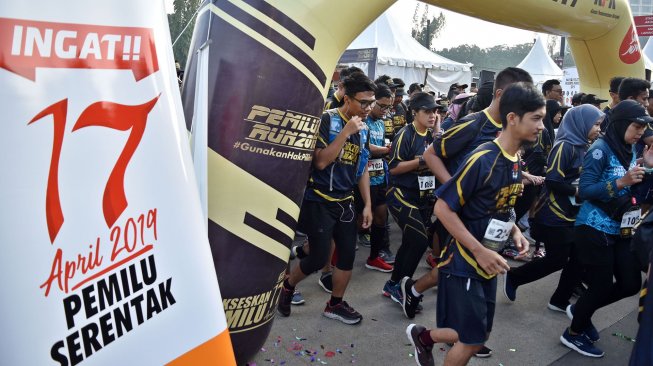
<point x="570" y="84"/>
<point x="105" y="257"/>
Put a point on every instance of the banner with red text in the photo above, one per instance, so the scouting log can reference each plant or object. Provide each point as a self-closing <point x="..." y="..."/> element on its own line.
<point x="105" y="258"/>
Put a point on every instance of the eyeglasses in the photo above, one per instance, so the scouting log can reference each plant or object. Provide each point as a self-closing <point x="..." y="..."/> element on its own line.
<point x="365" y="103"/>
<point x="383" y="107"/>
<point x="557" y="90"/>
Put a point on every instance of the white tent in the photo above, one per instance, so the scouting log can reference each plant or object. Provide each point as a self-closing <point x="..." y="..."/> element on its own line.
<point x="539" y="64"/>
<point x="399" y="55"/>
<point x="648" y="54"/>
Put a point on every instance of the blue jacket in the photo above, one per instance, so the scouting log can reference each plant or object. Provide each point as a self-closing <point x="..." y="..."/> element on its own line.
<point x="598" y="181"/>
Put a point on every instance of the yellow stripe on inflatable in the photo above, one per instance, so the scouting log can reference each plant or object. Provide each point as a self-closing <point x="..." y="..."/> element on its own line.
<point x="234" y="192"/>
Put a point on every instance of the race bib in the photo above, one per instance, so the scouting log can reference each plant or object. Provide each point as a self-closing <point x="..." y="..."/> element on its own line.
<point x="630" y="218"/>
<point x="497" y="233"/>
<point x="375" y="165"/>
<point x="426" y="183"/>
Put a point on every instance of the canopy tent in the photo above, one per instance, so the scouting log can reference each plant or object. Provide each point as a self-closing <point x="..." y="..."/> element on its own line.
<point x="539" y="64"/>
<point x="399" y="55"/>
<point x="648" y="54"/>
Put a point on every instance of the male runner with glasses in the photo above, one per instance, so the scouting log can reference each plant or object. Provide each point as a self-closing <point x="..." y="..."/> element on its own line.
<point x="328" y="200"/>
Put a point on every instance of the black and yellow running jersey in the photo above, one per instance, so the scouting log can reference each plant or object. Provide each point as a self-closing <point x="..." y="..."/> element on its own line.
<point x="465" y="136"/>
<point x="564" y="166"/>
<point x="486" y="186"/>
<point x="407" y="145"/>
<point x="337" y="181"/>
<point x="398" y="117"/>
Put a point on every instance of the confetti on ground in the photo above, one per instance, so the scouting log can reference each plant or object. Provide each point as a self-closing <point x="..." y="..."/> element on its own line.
<point x="352" y="345"/>
<point x="297" y="346"/>
<point x="300" y="338"/>
<point x="322" y="346"/>
<point x="330" y="354"/>
<point x="374" y="319"/>
<point x="624" y="337"/>
<point x="338" y="350"/>
<point x="410" y="355"/>
<point x="512" y="350"/>
<point x="251" y="364"/>
<point x="263" y="349"/>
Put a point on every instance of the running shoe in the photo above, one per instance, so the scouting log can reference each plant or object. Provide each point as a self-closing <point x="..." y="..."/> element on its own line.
<point x="555" y="307"/>
<point x="423" y="354"/>
<point x="509" y="289"/>
<point x="591" y="332"/>
<point x="285" y="299"/>
<point x="410" y="301"/>
<point x="364" y="239"/>
<point x="387" y="256"/>
<point x="540" y="253"/>
<point x="581" y="344"/>
<point x="393" y="291"/>
<point x="484" y="352"/>
<point x="378" y="264"/>
<point x="297" y="298"/>
<point x="342" y="312"/>
<point x="326" y="281"/>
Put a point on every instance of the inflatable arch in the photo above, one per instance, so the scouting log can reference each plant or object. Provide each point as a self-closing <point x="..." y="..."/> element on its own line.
<point x="255" y="83"/>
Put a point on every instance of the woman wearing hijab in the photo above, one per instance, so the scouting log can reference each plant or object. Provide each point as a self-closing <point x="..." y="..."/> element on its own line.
<point x="604" y="222"/>
<point x="556" y="210"/>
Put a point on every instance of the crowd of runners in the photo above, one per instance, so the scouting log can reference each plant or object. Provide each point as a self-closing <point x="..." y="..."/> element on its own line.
<point x="465" y="176"/>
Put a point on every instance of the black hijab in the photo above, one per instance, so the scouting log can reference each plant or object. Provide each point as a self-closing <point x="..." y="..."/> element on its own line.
<point x="614" y="137"/>
<point x="552" y="108"/>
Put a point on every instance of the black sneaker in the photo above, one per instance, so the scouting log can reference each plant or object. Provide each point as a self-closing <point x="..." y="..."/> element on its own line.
<point x="285" y="299"/>
<point x="326" y="281"/>
<point x="423" y="354"/>
<point x="484" y="353"/>
<point x="342" y="312"/>
<point x="410" y="301"/>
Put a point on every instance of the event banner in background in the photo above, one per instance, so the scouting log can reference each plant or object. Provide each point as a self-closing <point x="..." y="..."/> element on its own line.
<point x="105" y="259"/>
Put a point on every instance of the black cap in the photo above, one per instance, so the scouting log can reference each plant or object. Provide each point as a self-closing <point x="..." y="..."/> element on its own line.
<point x="592" y="99"/>
<point x="630" y="110"/>
<point x="424" y="101"/>
<point x="400" y="92"/>
<point x="577" y="98"/>
<point x="456" y="86"/>
<point x="390" y="83"/>
<point x="400" y="83"/>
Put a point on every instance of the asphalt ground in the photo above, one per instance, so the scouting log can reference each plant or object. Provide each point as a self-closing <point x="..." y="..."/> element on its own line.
<point x="525" y="332"/>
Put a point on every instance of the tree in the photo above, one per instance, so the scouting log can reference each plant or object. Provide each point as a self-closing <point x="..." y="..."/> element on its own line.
<point x="426" y="27"/>
<point x="494" y="58"/>
<point x="183" y="16"/>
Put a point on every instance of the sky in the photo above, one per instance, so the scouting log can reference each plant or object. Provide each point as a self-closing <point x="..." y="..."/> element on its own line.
<point x="481" y="33"/>
<point x="460" y="29"/>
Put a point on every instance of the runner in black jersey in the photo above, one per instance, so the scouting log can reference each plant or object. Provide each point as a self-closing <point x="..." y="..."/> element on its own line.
<point x="328" y="199"/>
<point x="410" y="195"/>
<point x="448" y="152"/>
<point x="475" y="207"/>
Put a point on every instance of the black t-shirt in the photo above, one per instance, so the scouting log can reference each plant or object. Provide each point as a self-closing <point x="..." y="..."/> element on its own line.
<point x="565" y="164"/>
<point x="463" y="137"/>
<point x="408" y="144"/>
<point x="535" y="156"/>
<point x="398" y="117"/>
<point x="486" y="186"/>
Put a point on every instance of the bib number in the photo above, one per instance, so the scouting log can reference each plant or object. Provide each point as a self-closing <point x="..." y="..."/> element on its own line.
<point x="630" y="218"/>
<point x="426" y="183"/>
<point x="375" y="165"/>
<point x="496" y="234"/>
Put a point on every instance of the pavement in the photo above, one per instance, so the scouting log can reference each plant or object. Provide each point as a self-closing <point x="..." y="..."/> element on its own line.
<point x="525" y="331"/>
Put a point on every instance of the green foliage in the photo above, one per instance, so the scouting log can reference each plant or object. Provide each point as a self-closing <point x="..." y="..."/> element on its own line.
<point x="177" y="21"/>
<point x="494" y="58"/>
<point x="425" y="26"/>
